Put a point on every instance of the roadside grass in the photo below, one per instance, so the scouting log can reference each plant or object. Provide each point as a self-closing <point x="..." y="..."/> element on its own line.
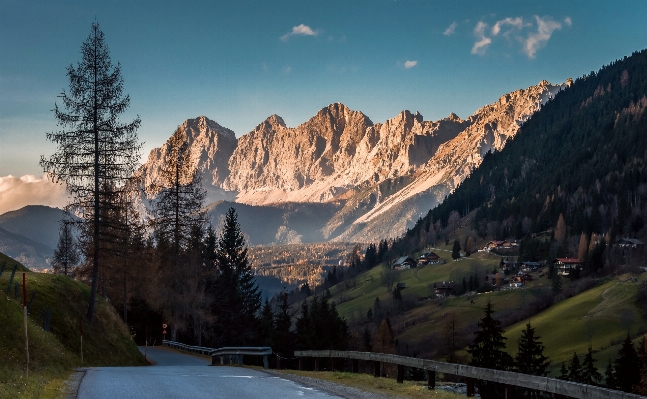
<point x="601" y="316"/>
<point x="383" y="386"/>
<point x="54" y="354"/>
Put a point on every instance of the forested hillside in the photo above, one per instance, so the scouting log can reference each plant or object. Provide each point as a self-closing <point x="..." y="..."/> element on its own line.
<point x="583" y="156"/>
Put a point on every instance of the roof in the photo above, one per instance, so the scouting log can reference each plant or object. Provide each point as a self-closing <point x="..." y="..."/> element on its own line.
<point x="444" y="284"/>
<point x="568" y="261"/>
<point x="403" y="259"/>
<point x="631" y="241"/>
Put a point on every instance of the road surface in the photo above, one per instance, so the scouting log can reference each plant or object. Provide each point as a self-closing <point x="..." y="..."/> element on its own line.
<point x="178" y="375"/>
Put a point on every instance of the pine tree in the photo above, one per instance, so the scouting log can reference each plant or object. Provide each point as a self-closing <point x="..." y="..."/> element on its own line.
<point x="266" y="324"/>
<point x="641" y="387"/>
<point x="96" y="153"/>
<point x="488" y="351"/>
<point x="66" y="255"/>
<point x="238" y="295"/>
<point x="625" y="370"/>
<point x="456" y="250"/>
<point x="563" y="372"/>
<point x="283" y="338"/>
<point x="530" y="357"/>
<point x="590" y="373"/>
<point x="609" y="377"/>
<point x="384" y="342"/>
<point x="575" y="369"/>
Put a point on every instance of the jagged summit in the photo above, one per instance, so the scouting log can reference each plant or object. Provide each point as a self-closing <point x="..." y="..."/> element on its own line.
<point x="340" y="153"/>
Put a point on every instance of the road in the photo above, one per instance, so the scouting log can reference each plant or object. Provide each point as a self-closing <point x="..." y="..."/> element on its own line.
<point x="178" y="375"/>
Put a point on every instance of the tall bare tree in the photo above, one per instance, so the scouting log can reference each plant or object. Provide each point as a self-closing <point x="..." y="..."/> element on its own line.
<point x="96" y="153"/>
<point x="177" y="217"/>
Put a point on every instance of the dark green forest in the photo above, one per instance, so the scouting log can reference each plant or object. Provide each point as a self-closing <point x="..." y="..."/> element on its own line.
<point x="583" y="156"/>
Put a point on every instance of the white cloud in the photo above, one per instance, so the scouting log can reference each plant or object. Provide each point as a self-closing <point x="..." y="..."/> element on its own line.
<point x="450" y="30"/>
<point x="537" y="40"/>
<point x="568" y="21"/>
<point x="410" y="64"/>
<point x="17" y="192"/>
<point x="287" y="69"/>
<point x="299" y="30"/>
<point x="481" y="45"/>
<point x="516" y="23"/>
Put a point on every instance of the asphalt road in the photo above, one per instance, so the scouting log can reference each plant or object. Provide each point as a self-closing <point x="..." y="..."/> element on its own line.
<point x="177" y="375"/>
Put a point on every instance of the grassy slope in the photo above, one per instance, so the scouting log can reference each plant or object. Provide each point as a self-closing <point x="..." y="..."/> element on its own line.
<point x="602" y="312"/>
<point x="600" y="315"/>
<point x="106" y="341"/>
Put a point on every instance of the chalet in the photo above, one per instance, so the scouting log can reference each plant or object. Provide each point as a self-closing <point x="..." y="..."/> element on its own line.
<point x="495" y="280"/>
<point x="508" y="264"/>
<point x="529" y="266"/>
<point x="445" y="288"/>
<point x="522" y="278"/>
<point x="630" y="243"/>
<point x="429" y="258"/>
<point x="565" y="265"/>
<point x="404" y="263"/>
<point x="506" y="244"/>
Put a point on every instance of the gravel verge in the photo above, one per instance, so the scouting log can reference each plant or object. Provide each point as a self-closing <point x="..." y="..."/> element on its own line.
<point x="330" y="387"/>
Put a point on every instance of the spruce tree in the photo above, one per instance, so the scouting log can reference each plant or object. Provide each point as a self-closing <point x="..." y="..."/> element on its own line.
<point x="282" y="340"/>
<point x="96" y="153"/>
<point x="609" y="377"/>
<point x="563" y="372"/>
<point x="488" y="351"/>
<point x="456" y="250"/>
<point x="266" y="324"/>
<point x="590" y="373"/>
<point x="575" y="369"/>
<point x="626" y="370"/>
<point x="367" y="340"/>
<point x="530" y="357"/>
<point x="238" y="296"/>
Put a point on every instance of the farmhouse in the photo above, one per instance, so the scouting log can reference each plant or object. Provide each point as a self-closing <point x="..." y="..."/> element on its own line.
<point x="630" y="243"/>
<point x="445" y="288"/>
<point x="404" y="263"/>
<point x="565" y="265"/>
<point x="429" y="258"/>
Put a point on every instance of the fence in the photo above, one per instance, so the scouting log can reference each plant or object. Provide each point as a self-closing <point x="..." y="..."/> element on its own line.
<point x="510" y="379"/>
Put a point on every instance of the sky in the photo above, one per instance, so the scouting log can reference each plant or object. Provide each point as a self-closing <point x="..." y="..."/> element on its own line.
<point x="238" y="62"/>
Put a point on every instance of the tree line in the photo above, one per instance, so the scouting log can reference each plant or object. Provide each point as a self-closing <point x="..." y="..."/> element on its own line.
<point x="628" y="372"/>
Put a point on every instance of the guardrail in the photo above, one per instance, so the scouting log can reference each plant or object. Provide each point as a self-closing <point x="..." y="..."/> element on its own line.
<point x="225" y="355"/>
<point x="188" y="348"/>
<point x="510" y="379"/>
<point x="234" y="354"/>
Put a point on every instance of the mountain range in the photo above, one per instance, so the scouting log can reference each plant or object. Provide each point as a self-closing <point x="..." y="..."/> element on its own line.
<point x="339" y="176"/>
<point x="336" y="177"/>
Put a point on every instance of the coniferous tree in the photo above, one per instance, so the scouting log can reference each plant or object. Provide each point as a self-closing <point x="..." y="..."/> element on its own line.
<point x="283" y="341"/>
<point x="488" y="351"/>
<point x="530" y="357"/>
<point x="563" y="372"/>
<point x="609" y="377"/>
<point x="641" y="387"/>
<point x="66" y="255"/>
<point x="96" y="153"/>
<point x="238" y="297"/>
<point x="456" y="250"/>
<point x="575" y="369"/>
<point x="590" y="373"/>
<point x="178" y="218"/>
<point x="625" y="371"/>
<point x="266" y="324"/>
<point x="384" y="342"/>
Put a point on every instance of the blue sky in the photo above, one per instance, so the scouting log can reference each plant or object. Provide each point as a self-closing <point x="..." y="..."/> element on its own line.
<point x="239" y="62"/>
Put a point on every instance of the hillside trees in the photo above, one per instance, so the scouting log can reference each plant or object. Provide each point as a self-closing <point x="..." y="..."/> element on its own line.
<point x="488" y="351"/>
<point x="581" y="156"/>
<point x="530" y="357"/>
<point x="178" y="223"/>
<point x="95" y="152"/>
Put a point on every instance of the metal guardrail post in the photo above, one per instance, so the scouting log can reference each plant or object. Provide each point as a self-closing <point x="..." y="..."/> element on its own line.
<point x="317" y="364"/>
<point x="301" y="363"/>
<point x="509" y="391"/>
<point x="400" y="374"/>
<point x="431" y="379"/>
<point x="355" y="365"/>
<point x="376" y="368"/>
<point x="470" y="387"/>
